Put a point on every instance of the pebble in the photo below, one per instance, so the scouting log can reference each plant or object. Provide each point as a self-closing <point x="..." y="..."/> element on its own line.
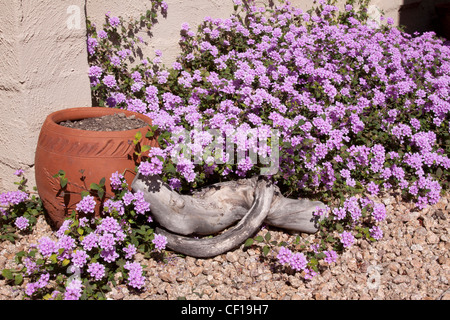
<point x="411" y="262"/>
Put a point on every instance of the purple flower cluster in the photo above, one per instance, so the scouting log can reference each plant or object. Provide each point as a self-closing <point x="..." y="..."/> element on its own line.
<point x="160" y="242"/>
<point x="86" y="205"/>
<point x="154" y="165"/>
<point x="284" y="255"/>
<point x="117" y="180"/>
<point x="73" y="290"/>
<point x="330" y="256"/>
<point x="96" y="270"/>
<point x="111" y="206"/>
<point x="130" y="251"/>
<point x="296" y="261"/>
<point x="79" y="258"/>
<point x="347" y="239"/>
<point x="21" y="223"/>
<point x="135" y="277"/>
<point x="140" y="205"/>
<point x="12" y="198"/>
<point x="376" y="232"/>
<point x="291" y="75"/>
<point x="41" y="283"/>
<point x="47" y="247"/>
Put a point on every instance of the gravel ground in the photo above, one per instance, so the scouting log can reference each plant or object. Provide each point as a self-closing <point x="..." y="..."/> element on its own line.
<point x="411" y="262"/>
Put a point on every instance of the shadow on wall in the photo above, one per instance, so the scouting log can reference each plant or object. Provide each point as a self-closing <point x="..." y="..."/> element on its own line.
<point x="426" y="15"/>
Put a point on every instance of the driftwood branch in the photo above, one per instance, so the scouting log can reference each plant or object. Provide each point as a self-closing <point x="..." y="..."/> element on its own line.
<point x="230" y="239"/>
<point x="219" y="206"/>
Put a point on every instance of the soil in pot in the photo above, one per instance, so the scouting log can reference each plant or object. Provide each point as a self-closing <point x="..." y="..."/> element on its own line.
<point x="114" y="122"/>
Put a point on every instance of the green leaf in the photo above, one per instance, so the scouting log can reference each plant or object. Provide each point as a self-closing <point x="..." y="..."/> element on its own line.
<point x="248" y="243"/>
<point x="7" y="273"/>
<point x="267" y="236"/>
<point x="48" y="296"/>
<point x="266" y="250"/>
<point x="137" y="137"/>
<point x="94" y="186"/>
<point x="18" y="279"/>
<point x="101" y="193"/>
<point x="65" y="262"/>
<point x="53" y="258"/>
<point x="259" y="239"/>
<point x="63" y="182"/>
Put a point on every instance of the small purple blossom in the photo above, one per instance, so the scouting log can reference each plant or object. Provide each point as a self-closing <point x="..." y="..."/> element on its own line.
<point x="372" y="188"/>
<point x="67" y="243"/>
<point x="64" y="227"/>
<point x="107" y="241"/>
<point x="73" y="290"/>
<point x="135" y="277"/>
<point x="116" y="180"/>
<point x="310" y="273"/>
<point x="111" y="206"/>
<point x="330" y="256"/>
<point x="130" y="251"/>
<point x="96" y="270"/>
<point x="19" y="172"/>
<point x="114" y="21"/>
<point x="12" y="198"/>
<point x="90" y="241"/>
<point x="47" y="247"/>
<point x="110" y="81"/>
<point x="376" y="232"/>
<point x="92" y="44"/>
<point x="32" y="287"/>
<point x="79" y="258"/>
<point x="379" y="212"/>
<point x="95" y="72"/>
<point x="86" y="205"/>
<point x="284" y="255"/>
<point x="347" y="239"/>
<point x="298" y="261"/>
<point x="102" y="34"/>
<point x="109" y="255"/>
<point x="140" y="205"/>
<point x="21" y="223"/>
<point x="160" y="242"/>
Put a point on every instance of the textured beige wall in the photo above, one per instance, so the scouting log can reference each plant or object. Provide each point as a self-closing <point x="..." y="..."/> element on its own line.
<point x="43" y="69"/>
<point x="44" y="63"/>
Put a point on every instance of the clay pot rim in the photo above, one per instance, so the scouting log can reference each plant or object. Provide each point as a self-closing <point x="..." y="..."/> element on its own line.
<point x="54" y="118"/>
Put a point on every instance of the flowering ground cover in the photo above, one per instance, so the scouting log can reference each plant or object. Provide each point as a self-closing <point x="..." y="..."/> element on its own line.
<point x="326" y="103"/>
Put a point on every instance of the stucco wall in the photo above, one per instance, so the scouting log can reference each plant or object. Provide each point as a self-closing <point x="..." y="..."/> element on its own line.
<point x="43" y="68"/>
<point x="44" y="63"/>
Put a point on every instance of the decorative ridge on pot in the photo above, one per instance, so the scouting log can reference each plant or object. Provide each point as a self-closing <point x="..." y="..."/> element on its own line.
<point x="85" y="156"/>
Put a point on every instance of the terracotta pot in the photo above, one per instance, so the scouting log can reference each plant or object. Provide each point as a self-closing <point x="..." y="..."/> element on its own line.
<point x="98" y="153"/>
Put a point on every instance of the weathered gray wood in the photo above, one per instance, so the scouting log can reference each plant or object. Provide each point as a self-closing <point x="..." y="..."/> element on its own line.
<point x="210" y="210"/>
<point x="229" y="239"/>
<point x="203" y="214"/>
<point x="215" y="208"/>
